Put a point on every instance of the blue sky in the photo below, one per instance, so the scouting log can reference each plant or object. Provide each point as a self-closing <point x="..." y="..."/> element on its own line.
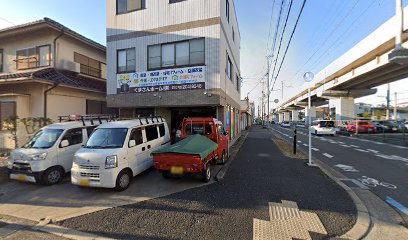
<point x="326" y="29"/>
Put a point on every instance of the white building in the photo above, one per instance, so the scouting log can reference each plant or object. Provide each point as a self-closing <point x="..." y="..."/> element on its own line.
<point x="174" y="58"/>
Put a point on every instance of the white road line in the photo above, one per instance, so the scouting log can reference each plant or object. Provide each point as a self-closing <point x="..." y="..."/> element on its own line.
<point x="374" y="151"/>
<point x="361" y="150"/>
<point x="299" y="141"/>
<point x="304" y="144"/>
<point x="327" y="155"/>
<point x="343" y="145"/>
<point x="379" y="143"/>
<point x="341" y="142"/>
<point x="354" y="146"/>
<point x="315" y="149"/>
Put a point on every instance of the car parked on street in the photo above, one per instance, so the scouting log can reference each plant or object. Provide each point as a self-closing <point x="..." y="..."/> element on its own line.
<point x="48" y="155"/>
<point x="118" y="151"/>
<point x="323" y="127"/>
<point x="285" y="124"/>
<point x="361" y="126"/>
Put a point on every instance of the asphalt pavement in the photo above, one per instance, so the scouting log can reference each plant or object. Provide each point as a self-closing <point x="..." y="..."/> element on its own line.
<point x="379" y="166"/>
<point x="259" y="174"/>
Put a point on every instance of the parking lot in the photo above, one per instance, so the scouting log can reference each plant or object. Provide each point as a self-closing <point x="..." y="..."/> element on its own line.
<point x="64" y="200"/>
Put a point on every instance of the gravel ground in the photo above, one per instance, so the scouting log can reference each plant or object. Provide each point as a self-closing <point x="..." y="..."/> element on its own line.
<point x="225" y="210"/>
<point x="3" y="169"/>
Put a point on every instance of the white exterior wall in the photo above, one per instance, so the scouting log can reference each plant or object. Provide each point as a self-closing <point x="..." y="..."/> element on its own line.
<point x="216" y="44"/>
<point x="211" y="34"/>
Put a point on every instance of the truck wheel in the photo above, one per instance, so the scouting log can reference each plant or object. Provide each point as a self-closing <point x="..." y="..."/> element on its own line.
<point x="52" y="176"/>
<point x="165" y="174"/>
<point x="207" y="174"/>
<point x="123" y="180"/>
<point x="223" y="158"/>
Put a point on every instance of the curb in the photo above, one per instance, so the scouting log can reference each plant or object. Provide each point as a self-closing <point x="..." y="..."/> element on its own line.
<point x="363" y="222"/>
<point x="236" y="147"/>
<point x="48" y="227"/>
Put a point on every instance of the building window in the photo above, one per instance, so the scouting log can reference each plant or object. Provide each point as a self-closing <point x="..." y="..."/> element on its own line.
<point x="227" y="10"/>
<point x="177" y="54"/>
<point x="7" y="110"/>
<point x="126" y="60"/>
<point x="176" y="1"/>
<point x="238" y="83"/>
<point x="229" y="68"/>
<point x="124" y="6"/>
<point x="33" y="57"/>
<point x="88" y="66"/>
<point x="1" y="60"/>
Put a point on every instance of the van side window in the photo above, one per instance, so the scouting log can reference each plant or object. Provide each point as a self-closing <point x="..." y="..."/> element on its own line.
<point x="89" y="130"/>
<point x="74" y="136"/>
<point x="137" y="136"/>
<point x="162" y="130"/>
<point x="151" y="133"/>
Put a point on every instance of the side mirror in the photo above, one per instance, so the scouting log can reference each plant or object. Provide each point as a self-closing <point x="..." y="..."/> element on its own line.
<point x="64" y="143"/>
<point x="132" y="143"/>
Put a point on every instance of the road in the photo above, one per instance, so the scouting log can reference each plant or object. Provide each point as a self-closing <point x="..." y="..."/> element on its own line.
<point x="356" y="158"/>
<point x="259" y="174"/>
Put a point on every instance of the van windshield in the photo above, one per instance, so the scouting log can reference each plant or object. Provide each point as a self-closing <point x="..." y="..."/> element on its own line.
<point x="44" y="138"/>
<point x="199" y="128"/>
<point x="107" y="138"/>
<point x="327" y="124"/>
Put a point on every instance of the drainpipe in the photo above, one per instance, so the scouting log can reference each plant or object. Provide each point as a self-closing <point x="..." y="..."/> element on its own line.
<point x="55" y="67"/>
<point x="45" y="98"/>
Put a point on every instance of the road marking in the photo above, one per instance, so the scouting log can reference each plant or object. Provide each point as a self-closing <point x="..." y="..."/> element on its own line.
<point x="393" y="157"/>
<point x="341" y="142"/>
<point x="347" y="168"/>
<point x="315" y="149"/>
<point x="354" y="146"/>
<point x="299" y="141"/>
<point x="304" y="144"/>
<point x="361" y="150"/>
<point x="290" y="137"/>
<point x="379" y="143"/>
<point x="374" y="151"/>
<point x="396" y="204"/>
<point x="344" y="145"/>
<point x="327" y="155"/>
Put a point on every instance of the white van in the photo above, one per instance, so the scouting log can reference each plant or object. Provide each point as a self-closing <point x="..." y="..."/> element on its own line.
<point x="323" y="127"/>
<point x="48" y="155"/>
<point x="118" y="151"/>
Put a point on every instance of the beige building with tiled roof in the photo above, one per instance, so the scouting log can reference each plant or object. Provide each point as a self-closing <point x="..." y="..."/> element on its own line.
<point x="48" y="70"/>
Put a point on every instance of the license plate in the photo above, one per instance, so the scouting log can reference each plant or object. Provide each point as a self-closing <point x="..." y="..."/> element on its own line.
<point x="84" y="182"/>
<point x="21" y="177"/>
<point x="176" y="170"/>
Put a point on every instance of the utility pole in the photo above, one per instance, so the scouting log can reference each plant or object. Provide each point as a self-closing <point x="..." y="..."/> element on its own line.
<point x="395" y="106"/>
<point x="269" y="91"/>
<point x="387" y="111"/>
<point x="282" y="91"/>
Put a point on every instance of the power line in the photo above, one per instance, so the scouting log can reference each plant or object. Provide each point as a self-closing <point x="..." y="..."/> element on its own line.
<point x="290" y="39"/>
<point x="7" y="21"/>
<point x="281" y="39"/>
<point x="337" y="42"/>
<point x="270" y="28"/>
<point x="328" y="36"/>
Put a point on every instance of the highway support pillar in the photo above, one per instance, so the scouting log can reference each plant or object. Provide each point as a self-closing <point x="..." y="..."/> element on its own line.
<point x="345" y="108"/>
<point x="312" y="113"/>
<point x="295" y="115"/>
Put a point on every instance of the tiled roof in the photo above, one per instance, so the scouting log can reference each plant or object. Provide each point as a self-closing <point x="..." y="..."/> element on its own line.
<point x="15" y="75"/>
<point x="65" y="77"/>
<point x="70" y="78"/>
<point x="58" y="26"/>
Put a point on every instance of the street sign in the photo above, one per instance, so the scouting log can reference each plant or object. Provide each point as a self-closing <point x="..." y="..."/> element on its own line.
<point x="308" y="76"/>
<point x="276" y="101"/>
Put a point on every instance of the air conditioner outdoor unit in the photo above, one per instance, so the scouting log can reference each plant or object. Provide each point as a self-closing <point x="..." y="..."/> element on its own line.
<point x="70" y="66"/>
